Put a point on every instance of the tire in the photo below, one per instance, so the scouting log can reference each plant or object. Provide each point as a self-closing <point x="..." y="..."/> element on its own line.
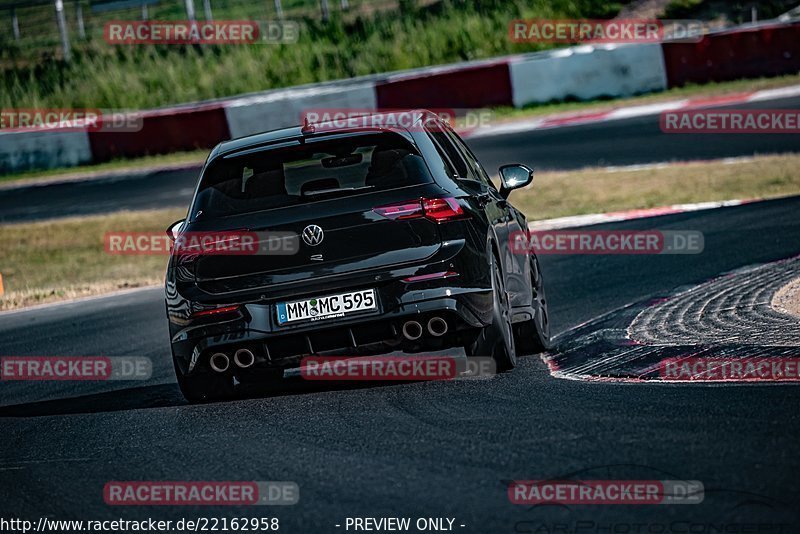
<point x="533" y="336"/>
<point x="203" y="387"/>
<point x="497" y="339"/>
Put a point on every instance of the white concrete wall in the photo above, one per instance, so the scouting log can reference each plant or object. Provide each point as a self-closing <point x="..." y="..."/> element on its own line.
<point x="586" y="72"/>
<point x="279" y="109"/>
<point x="22" y="150"/>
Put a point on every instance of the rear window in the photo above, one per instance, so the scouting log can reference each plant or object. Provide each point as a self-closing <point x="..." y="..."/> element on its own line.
<point x="311" y="172"/>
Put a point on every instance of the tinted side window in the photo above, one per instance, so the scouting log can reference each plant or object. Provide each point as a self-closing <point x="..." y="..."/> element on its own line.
<point x="448" y="167"/>
<point x="444" y="142"/>
<point x="476" y="171"/>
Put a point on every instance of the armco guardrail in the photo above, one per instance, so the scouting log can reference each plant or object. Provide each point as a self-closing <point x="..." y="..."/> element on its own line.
<point x="35" y="149"/>
<point x="582" y="72"/>
<point x="746" y="52"/>
<point x="587" y="72"/>
<point x="469" y="85"/>
<point x="164" y="131"/>
<point x="283" y="108"/>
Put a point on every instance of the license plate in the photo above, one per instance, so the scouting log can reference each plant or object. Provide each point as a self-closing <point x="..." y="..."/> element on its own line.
<point x="327" y="307"/>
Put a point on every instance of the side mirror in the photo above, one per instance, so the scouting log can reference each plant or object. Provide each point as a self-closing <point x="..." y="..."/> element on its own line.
<point x="513" y="177"/>
<point x="175" y="229"/>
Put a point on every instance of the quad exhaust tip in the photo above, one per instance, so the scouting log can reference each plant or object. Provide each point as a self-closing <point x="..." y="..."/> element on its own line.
<point x="244" y="358"/>
<point x="412" y="330"/>
<point x="437" y="326"/>
<point x="219" y="362"/>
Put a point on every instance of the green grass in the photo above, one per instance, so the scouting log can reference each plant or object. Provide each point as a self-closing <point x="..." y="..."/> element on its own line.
<point x="104" y="76"/>
<point x="66" y="258"/>
<point x="560" y="194"/>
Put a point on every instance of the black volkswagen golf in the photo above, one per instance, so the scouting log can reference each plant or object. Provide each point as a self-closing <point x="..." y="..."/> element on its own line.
<point x="369" y="240"/>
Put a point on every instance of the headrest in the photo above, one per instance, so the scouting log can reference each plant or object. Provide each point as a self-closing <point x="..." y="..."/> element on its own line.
<point x="385" y="160"/>
<point x="319" y="185"/>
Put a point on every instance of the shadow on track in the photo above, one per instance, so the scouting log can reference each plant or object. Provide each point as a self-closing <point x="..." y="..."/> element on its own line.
<point x="168" y="395"/>
<point x="109" y="401"/>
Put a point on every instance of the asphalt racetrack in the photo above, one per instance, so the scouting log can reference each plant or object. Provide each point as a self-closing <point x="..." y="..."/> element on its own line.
<point x="433" y="449"/>
<point x="631" y="141"/>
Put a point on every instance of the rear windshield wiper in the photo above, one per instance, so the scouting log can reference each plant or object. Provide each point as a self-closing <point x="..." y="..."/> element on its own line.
<point x="335" y="190"/>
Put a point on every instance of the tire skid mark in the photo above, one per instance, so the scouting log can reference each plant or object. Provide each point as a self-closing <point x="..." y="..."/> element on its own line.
<point x="729" y="317"/>
<point x="734" y="309"/>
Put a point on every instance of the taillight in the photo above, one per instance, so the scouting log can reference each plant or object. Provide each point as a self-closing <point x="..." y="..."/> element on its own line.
<point x="442" y="209"/>
<point x="430" y="276"/>
<point x="407" y="210"/>
<point x="216" y="311"/>
<point x="436" y="209"/>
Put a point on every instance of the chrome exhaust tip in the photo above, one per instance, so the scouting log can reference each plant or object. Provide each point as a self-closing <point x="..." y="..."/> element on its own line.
<point x="244" y="358"/>
<point x="412" y="330"/>
<point x="437" y="326"/>
<point x="219" y="362"/>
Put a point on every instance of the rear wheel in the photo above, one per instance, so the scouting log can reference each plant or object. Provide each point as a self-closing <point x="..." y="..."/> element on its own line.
<point x="533" y="336"/>
<point x="497" y="339"/>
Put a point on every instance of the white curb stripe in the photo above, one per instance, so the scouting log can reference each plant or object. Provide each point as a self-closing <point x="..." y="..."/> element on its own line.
<point x="600" y="218"/>
<point x="581" y="118"/>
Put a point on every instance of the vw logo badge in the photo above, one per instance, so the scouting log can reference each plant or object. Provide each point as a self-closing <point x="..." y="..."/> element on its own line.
<point x="313" y="235"/>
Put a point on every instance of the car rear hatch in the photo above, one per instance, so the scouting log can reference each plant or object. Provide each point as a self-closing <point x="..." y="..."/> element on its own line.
<point x="356" y="235"/>
<point x="354" y="203"/>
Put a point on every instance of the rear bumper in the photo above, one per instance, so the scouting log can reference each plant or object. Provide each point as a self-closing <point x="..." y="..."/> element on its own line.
<point x="277" y="347"/>
<point x="464" y="301"/>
